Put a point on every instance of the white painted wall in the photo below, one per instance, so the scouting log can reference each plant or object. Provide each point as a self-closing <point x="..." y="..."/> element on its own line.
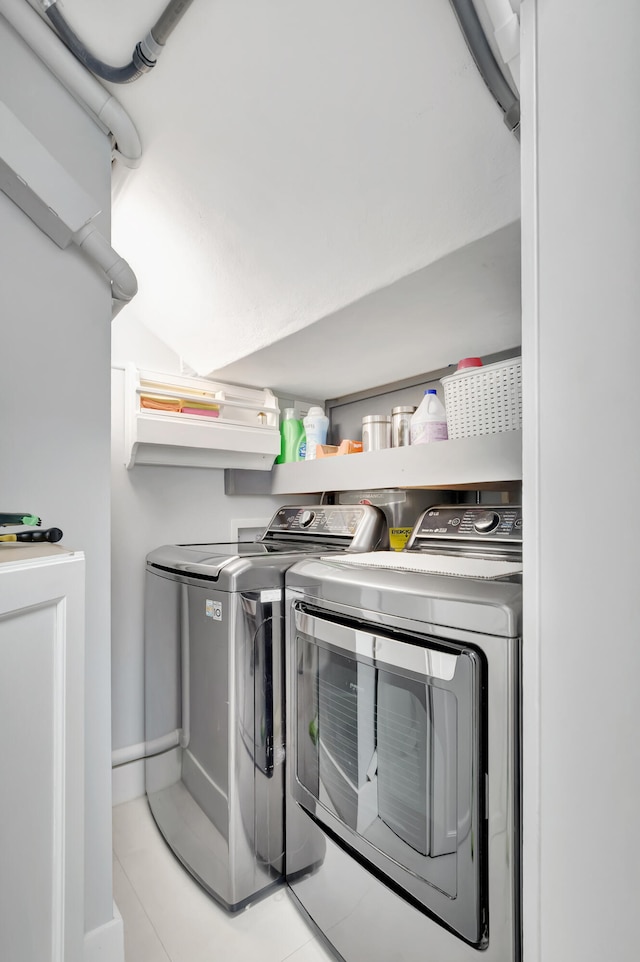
<point x="581" y="238"/>
<point x="297" y="156"/>
<point x="152" y="506"/>
<point x="54" y="399"/>
<point x="465" y="305"/>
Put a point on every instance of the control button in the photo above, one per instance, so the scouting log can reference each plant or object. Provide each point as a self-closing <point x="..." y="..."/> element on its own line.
<point x="305" y="518"/>
<point x="519" y="523"/>
<point x="455" y="522"/>
<point x="487" y="522"/>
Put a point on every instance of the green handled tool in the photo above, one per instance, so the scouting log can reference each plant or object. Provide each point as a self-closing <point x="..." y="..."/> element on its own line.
<point x="19" y="518"/>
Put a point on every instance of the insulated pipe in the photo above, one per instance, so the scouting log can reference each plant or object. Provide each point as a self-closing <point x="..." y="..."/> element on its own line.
<point x="124" y="285"/>
<point x="168" y="20"/>
<point x="116" y="75"/>
<point x="135" y="753"/>
<point x="144" y="57"/>
<point x="85" y="88"/>
<point x="506" y="31"/>
<point x="486" y="63"/>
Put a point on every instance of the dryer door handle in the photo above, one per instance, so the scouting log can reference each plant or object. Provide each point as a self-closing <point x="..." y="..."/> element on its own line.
<point x="380" y="650"/>
<point x="185" y="667"/>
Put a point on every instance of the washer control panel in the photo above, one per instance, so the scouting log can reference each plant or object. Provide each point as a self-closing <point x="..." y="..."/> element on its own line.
<point x="320" y="519"/>
<point x="462" y="523"/>
<point x="358" y="526"/>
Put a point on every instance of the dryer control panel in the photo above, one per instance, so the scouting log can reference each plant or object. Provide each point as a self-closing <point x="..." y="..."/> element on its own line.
<point x="468" y="526"/>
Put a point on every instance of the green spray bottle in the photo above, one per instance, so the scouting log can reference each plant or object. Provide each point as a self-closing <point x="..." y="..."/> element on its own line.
<point x="292" y="435"/>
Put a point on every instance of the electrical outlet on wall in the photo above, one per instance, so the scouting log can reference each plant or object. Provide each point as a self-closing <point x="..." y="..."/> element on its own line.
<point x="301" y="408"/>
<point x="248" y="529"/>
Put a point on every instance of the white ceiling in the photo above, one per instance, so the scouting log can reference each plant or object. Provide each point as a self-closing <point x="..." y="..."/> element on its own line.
<point x="424" y="322"/>
<point x="298" y="156"/>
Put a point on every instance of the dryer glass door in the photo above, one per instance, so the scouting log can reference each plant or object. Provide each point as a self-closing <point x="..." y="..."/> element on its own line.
<point x="388" y="757"/>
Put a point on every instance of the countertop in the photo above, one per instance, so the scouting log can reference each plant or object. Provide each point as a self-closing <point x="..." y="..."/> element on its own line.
<point x="14" y="551"/>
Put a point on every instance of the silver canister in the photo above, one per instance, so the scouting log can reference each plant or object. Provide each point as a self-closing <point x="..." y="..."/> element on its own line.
<point x="376" y="432"/>
<point x="401" y="426"/>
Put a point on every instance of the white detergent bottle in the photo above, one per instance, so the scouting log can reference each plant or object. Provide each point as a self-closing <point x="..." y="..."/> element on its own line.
<point x="316" y="425"/>
<point x="429" y="423"/>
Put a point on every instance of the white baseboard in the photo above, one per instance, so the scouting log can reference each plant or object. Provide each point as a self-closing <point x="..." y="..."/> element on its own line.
<point x="127" y="782"/>
<point x="106" y="944"/>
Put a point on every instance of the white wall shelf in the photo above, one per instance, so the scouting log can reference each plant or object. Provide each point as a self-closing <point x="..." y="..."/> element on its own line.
<point x="490" y="461"/>
<point x="244" y="434"/>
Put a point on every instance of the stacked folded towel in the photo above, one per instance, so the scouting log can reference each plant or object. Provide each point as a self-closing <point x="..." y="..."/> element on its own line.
<point x="195" y="407"/>
<point x="155" y="402"/>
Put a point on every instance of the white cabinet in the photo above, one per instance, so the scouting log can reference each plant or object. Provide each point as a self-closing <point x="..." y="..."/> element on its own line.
<point x="42" y="783"/>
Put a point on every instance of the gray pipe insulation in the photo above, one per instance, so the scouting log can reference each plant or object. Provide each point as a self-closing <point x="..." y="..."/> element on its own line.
<point x="144" y="57"/>
<point x="486" y="63"/>
<point x="166" y="22"/>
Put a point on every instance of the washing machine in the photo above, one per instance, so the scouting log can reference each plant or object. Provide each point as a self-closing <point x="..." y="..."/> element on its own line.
<point x="214" y="710"/>
<point x="403" y="719"/>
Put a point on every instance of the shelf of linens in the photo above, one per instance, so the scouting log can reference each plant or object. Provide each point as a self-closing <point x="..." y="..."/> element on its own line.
<point x="195" y="422"/>
<point x="490" y="461"/>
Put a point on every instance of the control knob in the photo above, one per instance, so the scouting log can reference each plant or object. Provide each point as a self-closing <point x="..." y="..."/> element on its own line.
<point x="306" y="517"/>
<point x="487" y="522"/>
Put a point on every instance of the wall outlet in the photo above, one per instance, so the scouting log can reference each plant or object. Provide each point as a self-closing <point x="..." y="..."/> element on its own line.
<point x="301" y="408"/>
<point x="248" y="529"/>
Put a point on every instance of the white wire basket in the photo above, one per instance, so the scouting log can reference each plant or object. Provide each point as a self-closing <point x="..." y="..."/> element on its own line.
<point x="484" y="400"/>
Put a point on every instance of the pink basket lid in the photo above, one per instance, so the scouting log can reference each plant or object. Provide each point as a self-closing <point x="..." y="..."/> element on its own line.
<point x="469" y="362"/>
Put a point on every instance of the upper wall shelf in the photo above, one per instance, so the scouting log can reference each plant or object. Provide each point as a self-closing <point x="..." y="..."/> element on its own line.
<point x="238" y="427"/>
<point x="490" y="461"/>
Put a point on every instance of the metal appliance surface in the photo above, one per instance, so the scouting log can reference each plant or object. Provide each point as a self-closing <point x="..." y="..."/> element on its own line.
<point x="401" y="506"/>
<point x="403" y="721"/>
<point x="214" y="674"/>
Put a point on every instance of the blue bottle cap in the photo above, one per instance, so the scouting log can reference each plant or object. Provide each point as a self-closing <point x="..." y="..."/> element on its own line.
<point x="431" y="390"/>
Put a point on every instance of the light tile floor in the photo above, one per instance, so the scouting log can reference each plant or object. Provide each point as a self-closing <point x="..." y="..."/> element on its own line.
<point x="169" y="918"/>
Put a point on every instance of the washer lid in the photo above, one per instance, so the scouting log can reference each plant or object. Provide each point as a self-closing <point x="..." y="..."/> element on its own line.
<point x="293" y="533"/>
<point x="210" y="560"/>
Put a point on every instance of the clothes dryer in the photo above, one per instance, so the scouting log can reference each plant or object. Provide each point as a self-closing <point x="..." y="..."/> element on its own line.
<point x="214" y="710"/>
<point x="403" y="720"/>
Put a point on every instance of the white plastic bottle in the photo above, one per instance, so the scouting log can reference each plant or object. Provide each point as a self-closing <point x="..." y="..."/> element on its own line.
<point x="316" y="425"/>
<point x="429" y="423"/>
